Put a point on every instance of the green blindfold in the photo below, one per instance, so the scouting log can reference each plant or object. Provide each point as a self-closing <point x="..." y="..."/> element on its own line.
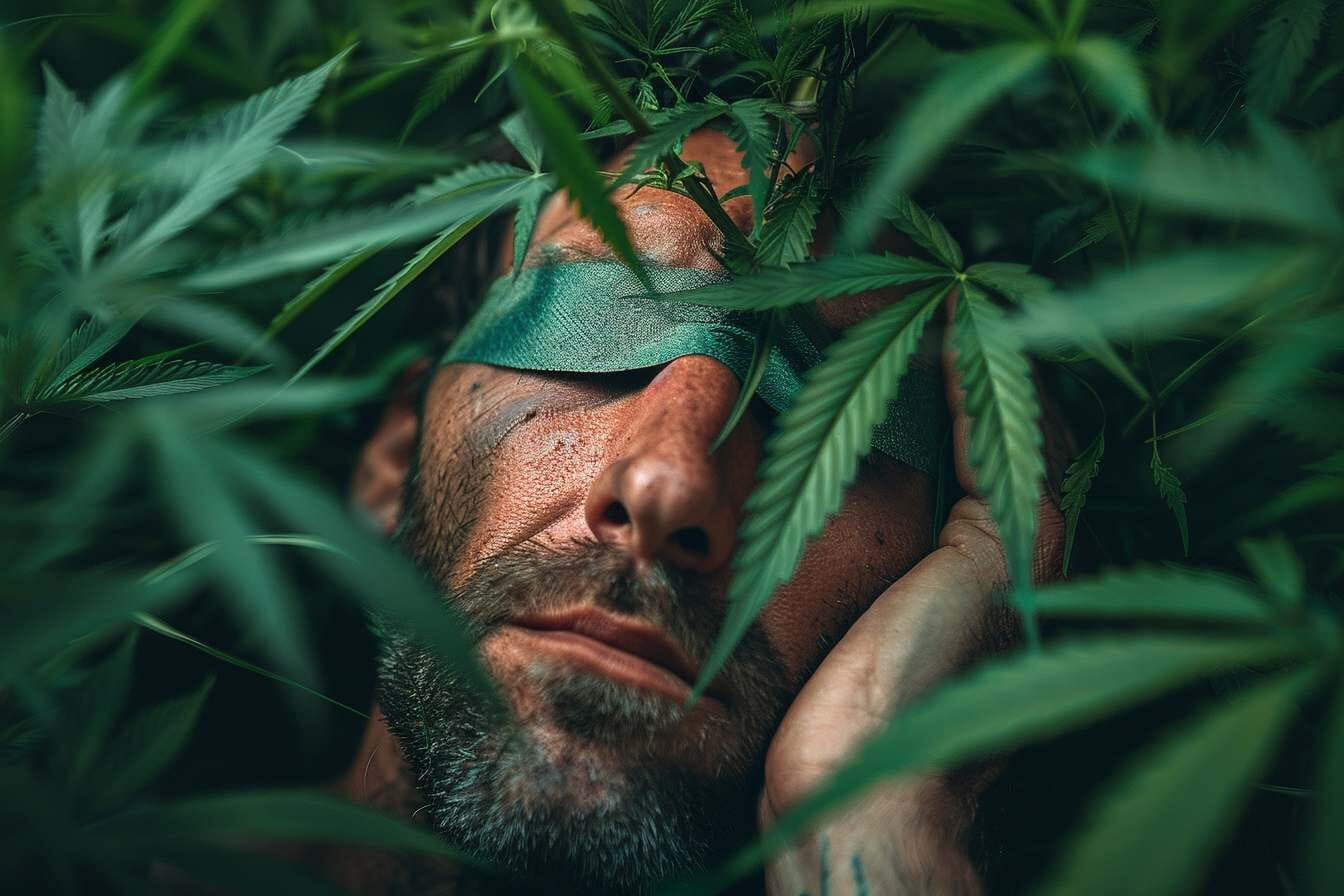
<point x="596" y="317"/>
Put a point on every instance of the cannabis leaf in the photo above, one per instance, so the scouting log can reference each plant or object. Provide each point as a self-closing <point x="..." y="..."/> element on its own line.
<point x="787" y="232"/>
<point x="666" y="135"/>
<point x="1281" y="51"/>
<point x="813" y="456"/>
<point x="926" y="230"/>
<point x="1169" y="486"/>
<point x="1077" y="481"/>
<point x="1005" y="440"/>
<point x="1115" y="76"/>
<point x="750" y="128"/>
<point x="137" y="379"/>
<point x="1159" y="594"/>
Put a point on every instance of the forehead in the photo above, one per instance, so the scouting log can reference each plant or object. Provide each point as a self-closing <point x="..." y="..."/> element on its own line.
<point x="667" y="228"/>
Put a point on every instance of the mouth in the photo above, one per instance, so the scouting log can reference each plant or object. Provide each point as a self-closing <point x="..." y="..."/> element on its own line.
<point x="619" y="648"/>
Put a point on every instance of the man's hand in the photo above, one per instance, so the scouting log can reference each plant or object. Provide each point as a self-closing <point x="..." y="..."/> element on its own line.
<point x="904" y="836"/>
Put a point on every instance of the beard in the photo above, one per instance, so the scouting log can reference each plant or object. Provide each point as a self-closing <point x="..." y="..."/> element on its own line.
<point x="588" y="784"/>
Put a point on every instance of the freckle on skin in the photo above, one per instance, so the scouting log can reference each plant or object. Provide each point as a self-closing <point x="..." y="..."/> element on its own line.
<point x="475" y="385"/>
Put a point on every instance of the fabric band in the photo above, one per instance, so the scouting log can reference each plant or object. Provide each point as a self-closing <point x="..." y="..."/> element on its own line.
<point x="596" y="317"/>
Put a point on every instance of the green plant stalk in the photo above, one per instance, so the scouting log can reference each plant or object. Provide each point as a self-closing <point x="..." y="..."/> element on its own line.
<point x="1197" y="365"/>
<point x="1120" y="227"/>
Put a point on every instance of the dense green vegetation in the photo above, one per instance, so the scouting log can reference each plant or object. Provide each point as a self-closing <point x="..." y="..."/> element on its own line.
<point x="227" y="227"/>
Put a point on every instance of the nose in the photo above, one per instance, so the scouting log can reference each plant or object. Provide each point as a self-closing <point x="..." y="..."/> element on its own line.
<point x="664" y="497"/>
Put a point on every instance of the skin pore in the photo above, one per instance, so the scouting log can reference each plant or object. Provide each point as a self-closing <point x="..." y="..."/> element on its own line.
<point x="530" y="498"/>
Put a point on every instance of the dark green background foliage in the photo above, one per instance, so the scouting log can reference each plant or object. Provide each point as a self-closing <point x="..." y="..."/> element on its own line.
<point x="205" y="297"/>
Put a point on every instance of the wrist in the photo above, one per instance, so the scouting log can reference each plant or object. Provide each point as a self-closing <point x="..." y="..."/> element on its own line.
<point x="901" y="838"/>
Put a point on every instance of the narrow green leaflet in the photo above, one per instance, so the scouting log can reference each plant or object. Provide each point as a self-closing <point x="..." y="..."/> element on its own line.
<point x="666" y="136"/>
<point x="43" y="613"/>
<point x="760" y="357"/>
<point x="524" y="222"/>
<point x="89" y="342"/>
<point x="1150" y="299"/>
<point x="836" y="275"/>
<point x="1324" y="857"/>
<point x="237" y="142"/>
<point x="97" y="703"/>
<point x="391" y="288"/>
<point x="1281" y="50"/>
<point x="1158" y="594"/>
<point x="1169" y="486"/>
<point x="1114" y="75"/>
<point x="1011" y="280"/>
<point x="275" y="815"/>
<point x="135" y="379"/>
<point x="522" y="132"/>
<point x="1173" y="808"/>
<point x="386" y="582"/>
<point x="317" y="288"/>
<point x="1277" y="567"/>
<point x="1005" y="439"/>
<point x="154" y="624"/>
<point x="145" y="746"/>
<point x="1078" y="480"/>
<point x="814" y="454"/>
<point x="339" y="235"/>
<point x="926" y="230"/>
<point x="992" y="15"/>
<point x="787" y="234"/>
<point x="955" y="96"/>
<point x="752" y="131"/>
<point x="999" y="706"/>
<point x="1212" y="181"/>
<point x="176" y="29"/>
<point x="576" y="167"/>
<point x="209" y="509"/>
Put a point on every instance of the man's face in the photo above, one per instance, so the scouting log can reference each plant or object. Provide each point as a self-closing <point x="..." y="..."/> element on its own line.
<point x="583" y="526"/>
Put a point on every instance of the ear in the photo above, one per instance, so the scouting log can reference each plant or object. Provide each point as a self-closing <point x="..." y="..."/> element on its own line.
<point x="380" y="474"/>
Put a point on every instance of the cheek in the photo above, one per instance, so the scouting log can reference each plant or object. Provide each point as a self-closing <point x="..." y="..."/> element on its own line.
<point x="883" y="528"/>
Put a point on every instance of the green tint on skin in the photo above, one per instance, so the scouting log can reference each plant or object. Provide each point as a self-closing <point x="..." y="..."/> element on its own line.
<point x="595" y="317"/>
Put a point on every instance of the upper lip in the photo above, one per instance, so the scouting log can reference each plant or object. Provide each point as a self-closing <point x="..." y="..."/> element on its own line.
<point x="638" y="638"/>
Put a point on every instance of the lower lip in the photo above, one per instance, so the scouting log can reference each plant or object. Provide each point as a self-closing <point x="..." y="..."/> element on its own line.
<point x="605" y="660"/>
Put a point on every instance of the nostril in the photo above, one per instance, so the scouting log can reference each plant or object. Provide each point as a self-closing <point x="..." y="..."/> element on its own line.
<point x="616" y="513"/>
<point x="692" y="540"/>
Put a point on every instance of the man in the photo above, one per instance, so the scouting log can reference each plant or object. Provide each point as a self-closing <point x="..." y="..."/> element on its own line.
<point x="582" y="524"/>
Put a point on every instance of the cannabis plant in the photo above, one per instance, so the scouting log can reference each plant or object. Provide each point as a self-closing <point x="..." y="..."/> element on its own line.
<point x="1135" y="204"/>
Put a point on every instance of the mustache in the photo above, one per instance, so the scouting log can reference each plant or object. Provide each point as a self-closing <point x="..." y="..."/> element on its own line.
<point x="533" y="579"/>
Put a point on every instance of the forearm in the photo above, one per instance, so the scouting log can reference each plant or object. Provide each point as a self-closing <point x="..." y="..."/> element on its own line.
<point x="904" y="838"/>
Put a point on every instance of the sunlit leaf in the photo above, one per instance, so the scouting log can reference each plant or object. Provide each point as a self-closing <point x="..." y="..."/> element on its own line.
<point x="1148" y="811"/>
<point x="813" y="455"/>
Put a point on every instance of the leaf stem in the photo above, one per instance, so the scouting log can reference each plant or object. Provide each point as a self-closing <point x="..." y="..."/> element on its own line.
<point x="1121" y="227"/>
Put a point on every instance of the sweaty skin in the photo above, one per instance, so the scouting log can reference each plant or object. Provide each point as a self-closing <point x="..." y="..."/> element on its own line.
<point x="877" y="612"/>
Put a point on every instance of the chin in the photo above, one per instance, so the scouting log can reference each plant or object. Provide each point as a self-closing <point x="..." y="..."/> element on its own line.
<point x="594" y="785"/>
